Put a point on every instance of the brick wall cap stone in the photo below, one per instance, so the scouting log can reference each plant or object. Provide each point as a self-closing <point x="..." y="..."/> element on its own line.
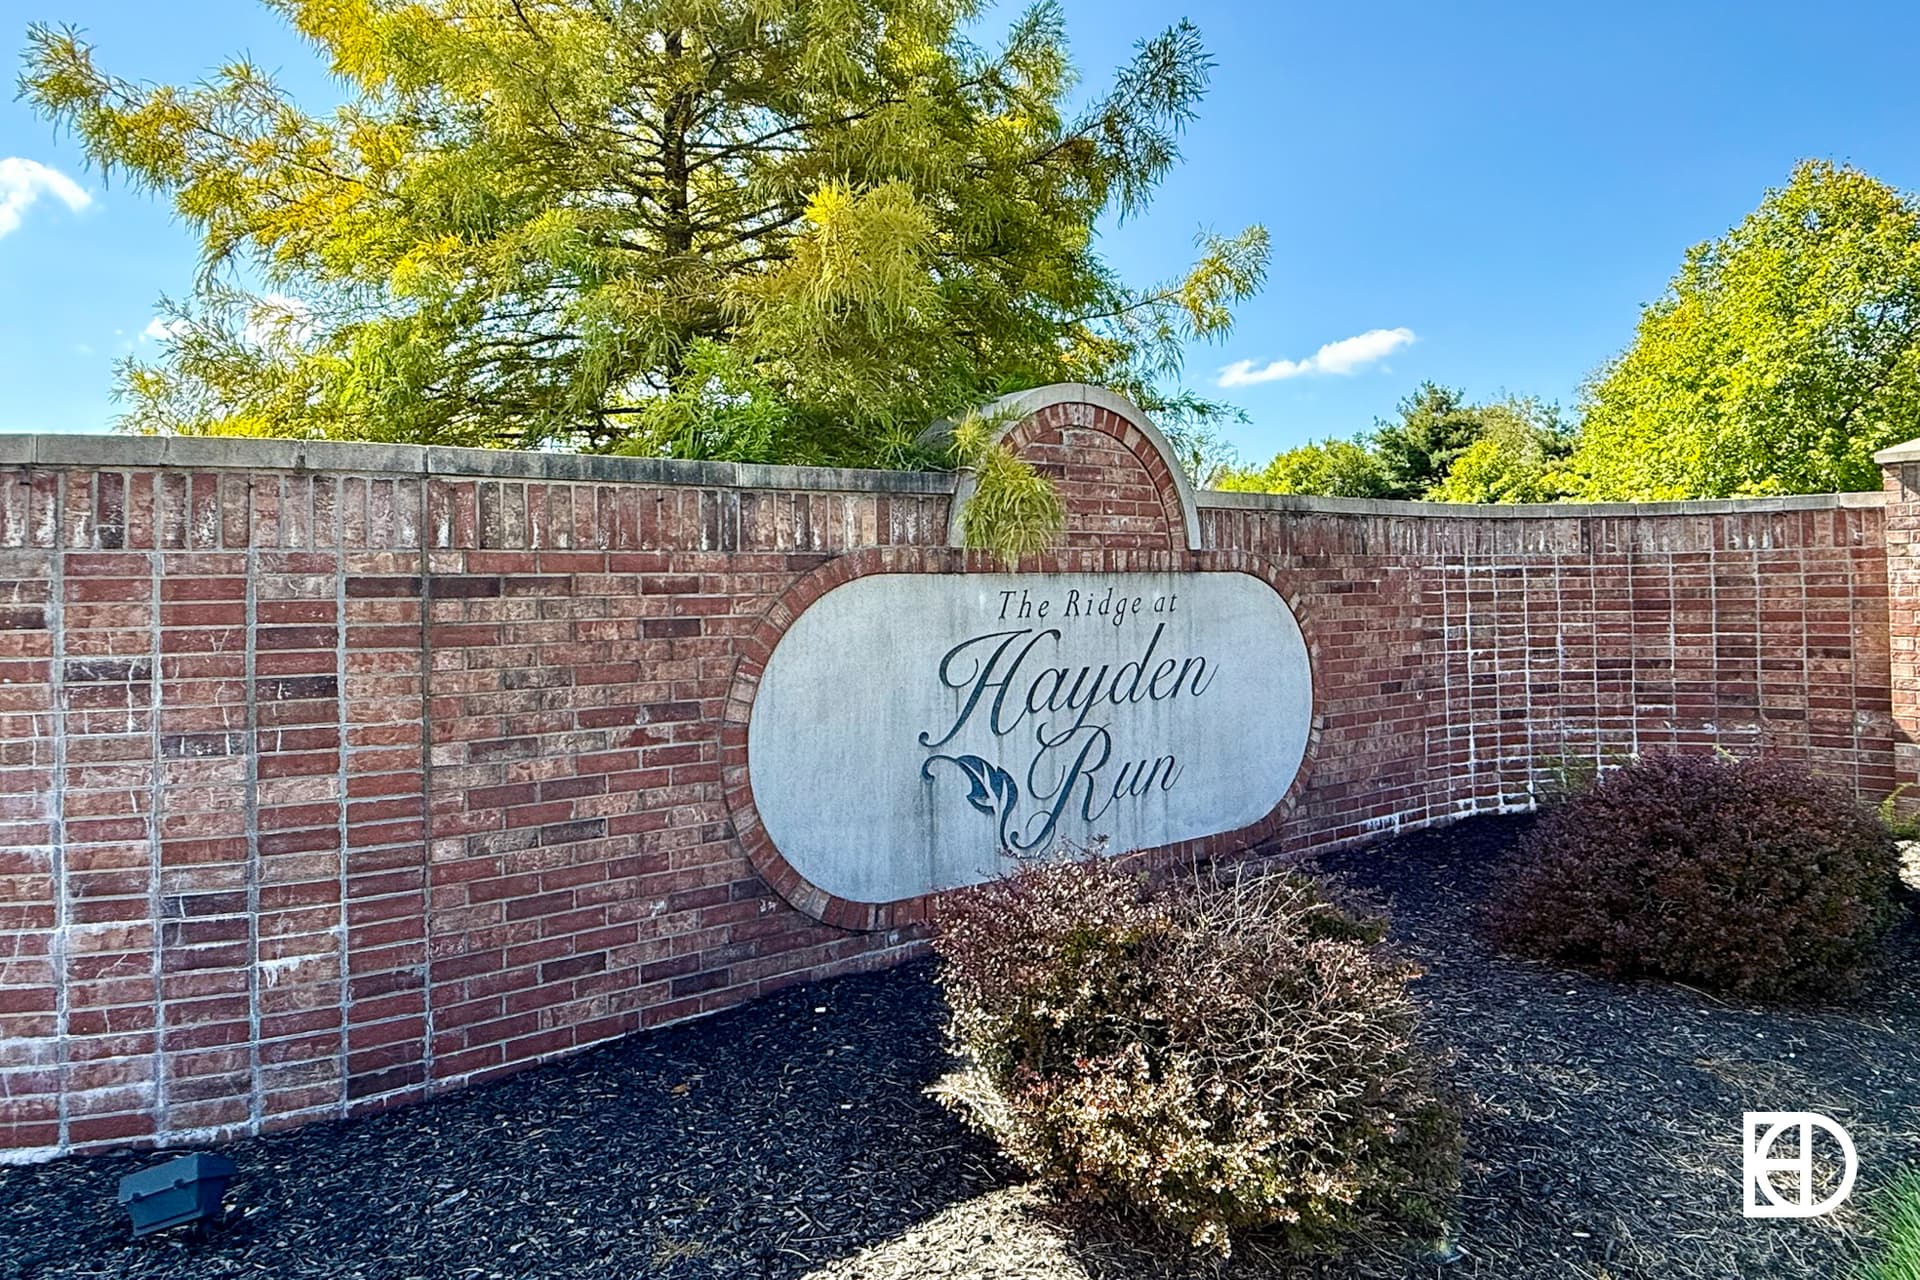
<point x="48" y="451"/>
<point x="1538" y="510"/>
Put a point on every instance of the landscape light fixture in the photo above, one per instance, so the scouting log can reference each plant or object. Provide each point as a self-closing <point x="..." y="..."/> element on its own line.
<point x="184" y="1190"/>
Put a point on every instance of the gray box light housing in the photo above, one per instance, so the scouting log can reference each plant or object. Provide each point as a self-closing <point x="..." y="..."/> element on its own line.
<point x="184" y="1190"/>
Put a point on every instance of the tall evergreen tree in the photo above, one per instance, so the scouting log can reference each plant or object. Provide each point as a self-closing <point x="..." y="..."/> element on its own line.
<point x="1435" y="425"/>
<point x="1441" y="447"/>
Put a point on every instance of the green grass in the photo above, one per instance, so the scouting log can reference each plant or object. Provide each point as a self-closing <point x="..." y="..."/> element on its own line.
<point x="1898" y="1220"/>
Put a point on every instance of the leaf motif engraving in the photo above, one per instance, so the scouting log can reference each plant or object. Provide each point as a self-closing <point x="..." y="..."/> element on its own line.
<point x="990" y="789"/>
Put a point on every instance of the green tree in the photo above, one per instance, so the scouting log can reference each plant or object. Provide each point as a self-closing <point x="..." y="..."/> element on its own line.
<point x="1520" y="456"/>
<point x="1441" y="448"/>
<point x="1436" y="424"/>
<point x="1330" y="468"/>
<point x="1781" y="356"/>
<point x="775" y="229"/>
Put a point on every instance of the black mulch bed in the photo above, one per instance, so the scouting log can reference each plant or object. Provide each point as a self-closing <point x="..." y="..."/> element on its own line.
<point x="793" y="1138"/>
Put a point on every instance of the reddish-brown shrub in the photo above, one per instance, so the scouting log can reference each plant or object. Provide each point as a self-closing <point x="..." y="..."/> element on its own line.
<point x="1749" y="876"/>
<point x="1230" y="1054"/>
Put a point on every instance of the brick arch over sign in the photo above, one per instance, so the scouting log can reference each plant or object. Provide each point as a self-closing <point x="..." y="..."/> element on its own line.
<point x="1117" y="475"/>
<point x="755" y="652"/>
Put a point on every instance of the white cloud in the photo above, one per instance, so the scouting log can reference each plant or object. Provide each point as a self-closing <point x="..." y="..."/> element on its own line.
<point x="1348" y="355"/>
<point x="159" y="328"/>
<point x="22" y="182"/>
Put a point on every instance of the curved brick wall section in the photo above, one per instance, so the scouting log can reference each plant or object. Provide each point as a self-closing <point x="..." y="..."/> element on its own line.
<point x="334" y="775"/>
<point x="1472" y="648"/>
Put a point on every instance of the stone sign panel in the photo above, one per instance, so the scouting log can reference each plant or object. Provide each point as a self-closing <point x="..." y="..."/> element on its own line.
<point x="913" y="732"/>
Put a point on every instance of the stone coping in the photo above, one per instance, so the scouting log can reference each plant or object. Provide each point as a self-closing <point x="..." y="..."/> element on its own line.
<point x="1537" y="510"/>
<point x="54" y="450"/>
<point x="199" y="453"/>
<point x="1895" y="454"/>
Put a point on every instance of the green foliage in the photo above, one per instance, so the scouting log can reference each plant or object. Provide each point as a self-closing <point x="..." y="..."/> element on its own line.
<point x="1332" y="468"/>
<point x="1897" y="1215"/>
<point x="1781" y="356"/>
<point x="1216" y="1056"/>
<point x="1901" y="821"/>
<point x="719" y="408"/>
<point x="1748" y="876"/>
<point x="1435" y="426"/>
<point x="1014" y="511"/>
<point x="1441" y="447"/>
<point x="1519" y="456"/>
<point x="1559" y="778"/>
<point x="746" y="228"/>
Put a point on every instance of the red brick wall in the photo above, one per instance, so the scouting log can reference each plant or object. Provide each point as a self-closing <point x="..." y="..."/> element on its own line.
<point x="324" y="787"/>
<point x="1462" y="656"/>
<point x="245" y="884"/>
<point x="1117" y="488"/>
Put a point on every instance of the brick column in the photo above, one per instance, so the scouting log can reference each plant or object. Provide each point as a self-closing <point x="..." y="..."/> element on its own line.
<point x="1900" y="467"/>
<point x="33" y="1018"/>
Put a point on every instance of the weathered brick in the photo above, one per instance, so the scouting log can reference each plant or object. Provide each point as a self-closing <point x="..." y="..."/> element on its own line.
<point x="292" y="688"/>
<point x="472" y="750"/>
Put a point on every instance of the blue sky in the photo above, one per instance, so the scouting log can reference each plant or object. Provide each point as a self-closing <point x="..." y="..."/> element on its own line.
<point x="1488" y="190"/>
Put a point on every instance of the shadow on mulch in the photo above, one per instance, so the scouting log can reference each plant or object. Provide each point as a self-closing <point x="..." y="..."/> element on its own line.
<point x="793" y="1139"/>
<point x="1606" y="1135"/>
<point x="758" y="1142"/>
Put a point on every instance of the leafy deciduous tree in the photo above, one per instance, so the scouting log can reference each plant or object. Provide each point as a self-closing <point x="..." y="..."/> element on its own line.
<point x="1520" y="456"/>
<point x="1330" y="468"/>
<point x="1781" y="356"/>
<point x="774" y="229"/>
